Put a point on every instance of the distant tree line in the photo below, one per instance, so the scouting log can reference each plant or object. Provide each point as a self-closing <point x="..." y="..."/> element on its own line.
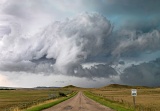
<point x="6" y="89"/>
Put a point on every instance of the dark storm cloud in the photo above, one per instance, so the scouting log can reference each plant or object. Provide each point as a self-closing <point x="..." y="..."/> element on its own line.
<point x="133" y="43"/>
<point x="141" y="7"/>
<point x="129" y="14"/>
<point x="99" y="71"/>
<point x="124" y="7"/>
<point x="43" y="59"/>
<point x="147" y="74"/>
<point x="27" y="66"/>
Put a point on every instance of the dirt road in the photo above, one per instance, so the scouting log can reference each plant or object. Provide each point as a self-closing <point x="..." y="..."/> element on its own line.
<point x="79" y="103"/>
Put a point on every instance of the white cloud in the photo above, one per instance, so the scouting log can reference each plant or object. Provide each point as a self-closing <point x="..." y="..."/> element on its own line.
<point x="68" y="43"/>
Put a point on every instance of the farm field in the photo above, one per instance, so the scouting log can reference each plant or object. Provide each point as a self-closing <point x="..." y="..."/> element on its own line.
<point x="147" y="99"/>
<point x="27" y="97"/>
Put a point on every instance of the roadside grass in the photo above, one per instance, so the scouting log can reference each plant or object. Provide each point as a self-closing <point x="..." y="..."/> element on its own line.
<point x="106" y="102"/>
<point x="50" y="104"/>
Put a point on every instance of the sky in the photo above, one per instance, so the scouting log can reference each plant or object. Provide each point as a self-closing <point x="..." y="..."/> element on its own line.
<point x="87" y="43"/>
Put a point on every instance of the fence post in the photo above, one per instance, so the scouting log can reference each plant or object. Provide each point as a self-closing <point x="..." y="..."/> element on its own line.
<point x="134" y="103"/>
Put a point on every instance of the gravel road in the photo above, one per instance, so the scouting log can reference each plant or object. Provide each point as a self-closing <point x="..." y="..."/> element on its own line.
<point x="79" y="103"/>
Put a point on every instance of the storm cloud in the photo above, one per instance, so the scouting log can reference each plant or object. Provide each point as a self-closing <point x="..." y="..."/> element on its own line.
<point x="60" y="48"/>
<point x="146" y="74"/>
<point x="134" y="43"/>
<point x="114" y="40"/>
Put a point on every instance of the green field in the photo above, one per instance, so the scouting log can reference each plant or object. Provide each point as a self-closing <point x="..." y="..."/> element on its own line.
<point x="23" y="98"/>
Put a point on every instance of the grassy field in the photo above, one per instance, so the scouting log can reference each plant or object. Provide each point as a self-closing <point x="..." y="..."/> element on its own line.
<point x="50" y="103"/>
<point x="148" y="99"/>
<point x="24" y="97"/>
<point x="115" y="96"/>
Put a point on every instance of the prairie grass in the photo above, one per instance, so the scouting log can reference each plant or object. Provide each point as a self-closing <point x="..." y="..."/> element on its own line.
<point x="10" y="99"/>
<point x="147" y="99"/>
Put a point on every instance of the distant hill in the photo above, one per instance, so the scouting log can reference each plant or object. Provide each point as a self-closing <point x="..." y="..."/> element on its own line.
<point x="125" y="86"/>
<point x="70" y="86"/>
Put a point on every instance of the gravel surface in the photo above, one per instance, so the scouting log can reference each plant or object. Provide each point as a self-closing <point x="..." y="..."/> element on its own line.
<point x="79" y="103"/>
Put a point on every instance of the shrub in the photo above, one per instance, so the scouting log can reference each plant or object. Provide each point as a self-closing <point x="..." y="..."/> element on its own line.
<point x="62" y="94"/>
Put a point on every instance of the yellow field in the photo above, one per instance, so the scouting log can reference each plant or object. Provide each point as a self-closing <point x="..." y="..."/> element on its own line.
<point x="148" y="99"/>
<point x="26" y="97"/>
